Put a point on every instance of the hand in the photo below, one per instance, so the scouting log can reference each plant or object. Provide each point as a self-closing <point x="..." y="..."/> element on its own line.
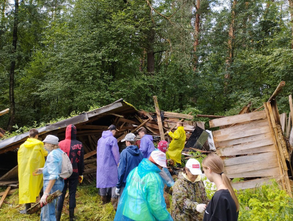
<point x="38" y="171"/>
<point x="43" y="200"/>
<point x="201" y="207"/>
<point x="117" y="191"/>
<point x="80" y="178"/>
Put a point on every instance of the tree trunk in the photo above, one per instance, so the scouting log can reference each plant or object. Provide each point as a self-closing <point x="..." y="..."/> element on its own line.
<point x="150" y="52"/>
<point x="12" y="69"/>
<point x="196" y="32"/>
<point x="291" y="15"/>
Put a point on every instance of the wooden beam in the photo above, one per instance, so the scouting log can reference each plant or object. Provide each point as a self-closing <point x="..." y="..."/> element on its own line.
<point x="277" y="91"/>
<point x="178" y="115"/>
<point x="288" y="128"/>
<point x="10" y="192"/>
<point x="4" y="111"/>
<point x="283" y="117"/>
<point x="159" y="118"/>
<point x="273" y="172"/>
<point x="291" y="108"/>
<point x="92" y="153"/>
<point x="4" y="195"/>
<point x="238" y="119"/>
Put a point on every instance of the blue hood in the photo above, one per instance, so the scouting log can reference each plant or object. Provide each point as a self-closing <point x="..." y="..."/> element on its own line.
<point x="107" y="133"/>
<point x="133" y="150"/>
<point x="146" y="167"/>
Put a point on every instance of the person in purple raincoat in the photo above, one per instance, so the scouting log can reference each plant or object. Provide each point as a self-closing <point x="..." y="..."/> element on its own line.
<point x="146" y="143"/>
<point x="107" y="163"/>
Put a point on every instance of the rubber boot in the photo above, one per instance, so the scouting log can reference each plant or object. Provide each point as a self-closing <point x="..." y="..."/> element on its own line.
<point x="58" y="215"/>
<point x="71" y="215"/>
<point x="114" y="202"/>
<point x="104" y="199"/>
<point x="27" y="206"/>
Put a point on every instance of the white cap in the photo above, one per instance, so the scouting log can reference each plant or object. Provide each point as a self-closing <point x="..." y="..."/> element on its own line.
<point x="51" y="139"/>
<point x="129" y="137"/>
<point x="159" y="158"/>
<point x="194" y="166"/>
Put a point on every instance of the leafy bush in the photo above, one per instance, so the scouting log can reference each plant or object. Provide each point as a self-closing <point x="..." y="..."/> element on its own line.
<point x="266" y="203"/>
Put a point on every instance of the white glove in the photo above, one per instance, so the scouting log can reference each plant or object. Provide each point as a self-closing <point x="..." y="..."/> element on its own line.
<point x="117" y="191"/>
<point x="43" y="200"/>
<point x="201" y="207"/>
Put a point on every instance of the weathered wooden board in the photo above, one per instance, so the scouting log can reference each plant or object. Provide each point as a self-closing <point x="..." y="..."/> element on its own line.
<point x="242" y="140"/>
<point x="11" y="174"/>
<point x="249" y="159"/>
<point x="4" y="195"/>
<point x="254" y="166"/>
<point x="177" y="115"/>
<point x="232" y="151"/>
<point x="251" y="183"/>
<point x="273" y="172"/>
<point x="240" y="134"/>
<point x="241" y="128"/>
<point x="245" y="148"/>
<point x="283" y="118"/>
<point x="242" y="118"/>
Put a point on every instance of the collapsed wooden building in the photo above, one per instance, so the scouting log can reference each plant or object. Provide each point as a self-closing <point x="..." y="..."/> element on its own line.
<point x="90" y="126"/>
<point x="254" y="145"/>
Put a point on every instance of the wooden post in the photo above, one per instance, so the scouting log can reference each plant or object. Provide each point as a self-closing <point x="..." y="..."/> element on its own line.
<point x="159" y="119"/>
<point x="288" y="128"/>
<point x="291" y="108"/>
<point x="4" y="195"/>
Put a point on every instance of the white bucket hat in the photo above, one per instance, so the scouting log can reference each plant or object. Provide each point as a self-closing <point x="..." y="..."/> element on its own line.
<point x="51" y="139"/>
<point x="159" y="158"/>
<point x="194" y="166"/>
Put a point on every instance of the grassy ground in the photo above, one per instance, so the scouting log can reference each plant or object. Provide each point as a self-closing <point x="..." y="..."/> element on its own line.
<point x="88" y="207"/>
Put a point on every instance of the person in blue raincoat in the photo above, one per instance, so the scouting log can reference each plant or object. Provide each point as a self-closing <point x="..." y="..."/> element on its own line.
<point x="142" y="198"/>
<point x="146" y="143"/>
<point x="107" y="163"/>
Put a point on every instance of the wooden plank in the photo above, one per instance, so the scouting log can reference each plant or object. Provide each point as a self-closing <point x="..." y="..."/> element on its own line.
<point x="250" y="184"/>
<point x="245" y="149"/>
<point x="255" y="166"/>
<point x="124" y="120"/>
<point x="10" y="192"/>
<point x="7" y="183"/>
<point x="178" y="115"/>
<point x="240" y="128"/>
<point x="139" y="126"/>
<point x="241" y="118"/>
<point x="229" y="143"/>
<point x="239" y="134"/>
<point x="291" y="109"/>
<point x="288" y="128"/>
<point x="209" y="116"/>
<point x="249" y="159"/>
<point x="92" y="153"/>
<point x="4" y="111"/>
<point x="273" y="172"/>
<point x="93" y="127"/>
<point x="11" y="174"/>
<point x="4" y="195"/>
<point x="283" y="118"/>
<point x="277" y="91"/>
<point x="159" y="119"/>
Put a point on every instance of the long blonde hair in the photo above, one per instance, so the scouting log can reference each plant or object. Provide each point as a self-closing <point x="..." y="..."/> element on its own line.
<point x="215" y="163"/>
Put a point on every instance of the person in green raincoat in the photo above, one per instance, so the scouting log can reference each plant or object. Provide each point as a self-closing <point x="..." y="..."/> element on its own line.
<point x="177" y="144"/>
<point x="30" y="156"/>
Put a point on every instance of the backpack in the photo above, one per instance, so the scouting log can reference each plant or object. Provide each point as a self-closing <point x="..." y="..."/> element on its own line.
<point x="66" y="169"/>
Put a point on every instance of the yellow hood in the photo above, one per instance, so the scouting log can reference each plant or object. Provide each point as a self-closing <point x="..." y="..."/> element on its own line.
<point x="31" y="142"/>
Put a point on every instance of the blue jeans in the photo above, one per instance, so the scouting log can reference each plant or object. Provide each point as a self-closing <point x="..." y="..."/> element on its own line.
<point x="48" y="211"/>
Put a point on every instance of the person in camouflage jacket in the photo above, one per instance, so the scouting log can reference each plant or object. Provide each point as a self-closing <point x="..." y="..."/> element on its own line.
<point x="189" y="197"/>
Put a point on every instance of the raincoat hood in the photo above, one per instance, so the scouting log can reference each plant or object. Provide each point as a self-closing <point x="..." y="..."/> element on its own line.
<point x="107" y="133"/>
<point x="70" y="132"/>
<point x="133" y="150"/>
<point x="149" y="137"/>
<point x="146" y="167"/>
<point x="32" y="142"/>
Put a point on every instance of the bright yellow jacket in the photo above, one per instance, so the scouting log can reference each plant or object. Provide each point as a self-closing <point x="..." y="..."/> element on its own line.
<point x="177" y="144"/>
<point x="30" y="156"/>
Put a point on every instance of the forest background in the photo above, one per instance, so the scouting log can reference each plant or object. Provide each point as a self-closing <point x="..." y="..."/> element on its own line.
<point x="60" y="57"/>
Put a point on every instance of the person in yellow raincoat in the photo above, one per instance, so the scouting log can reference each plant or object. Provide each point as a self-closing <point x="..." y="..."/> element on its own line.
<point x="30" y="156"/>
<point x="177" y="144"/>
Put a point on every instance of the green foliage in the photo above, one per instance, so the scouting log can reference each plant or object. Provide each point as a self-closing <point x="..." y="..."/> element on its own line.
<point x="267" y="202"/>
